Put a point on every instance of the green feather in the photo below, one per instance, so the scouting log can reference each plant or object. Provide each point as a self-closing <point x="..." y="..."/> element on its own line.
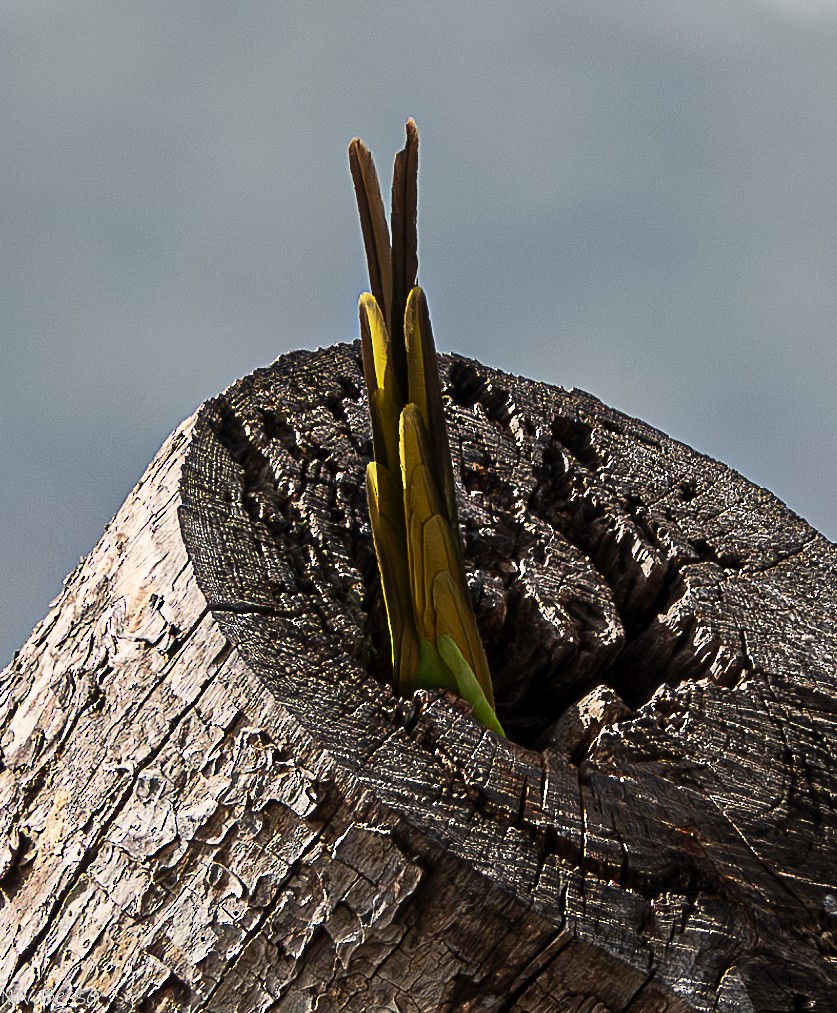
<point x="410" y="484"/>
<point x="466" y="682"/>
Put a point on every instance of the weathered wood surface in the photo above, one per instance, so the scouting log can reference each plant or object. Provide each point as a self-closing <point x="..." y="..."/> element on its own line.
<point x="212" y="801"/>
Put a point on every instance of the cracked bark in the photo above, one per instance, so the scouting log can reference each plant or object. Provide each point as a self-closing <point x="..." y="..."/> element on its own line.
<point x="212" y="801"/>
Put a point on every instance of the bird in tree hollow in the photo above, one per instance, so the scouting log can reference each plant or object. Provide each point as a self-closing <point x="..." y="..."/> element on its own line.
<point x="410" y="486"/>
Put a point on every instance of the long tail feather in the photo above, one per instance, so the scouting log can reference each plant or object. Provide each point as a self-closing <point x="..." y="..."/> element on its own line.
<point x="455" y="619"/>
<point x="386" y="398"/>
<point x="425" y="390"/>
<point x="441" y="601"/>
<point x="403" y="224"/>
<point x="373" y="223"/>
<point x="386" y="519"/>
<point x="410" y="484"/>
<point x="469" y="688"/>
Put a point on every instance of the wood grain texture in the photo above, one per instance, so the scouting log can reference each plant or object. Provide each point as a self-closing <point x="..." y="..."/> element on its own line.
<point x="211" y="800"/>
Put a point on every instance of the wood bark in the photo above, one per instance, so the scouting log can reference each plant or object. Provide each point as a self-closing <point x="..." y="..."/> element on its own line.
<point x="211" y="800"/>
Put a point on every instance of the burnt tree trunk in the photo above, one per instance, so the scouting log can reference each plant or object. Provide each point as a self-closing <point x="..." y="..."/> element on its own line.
<point x="211" y="800"/>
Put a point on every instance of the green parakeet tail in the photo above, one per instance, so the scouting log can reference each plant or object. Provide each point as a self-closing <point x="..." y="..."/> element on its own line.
<point x="410" y="484"/>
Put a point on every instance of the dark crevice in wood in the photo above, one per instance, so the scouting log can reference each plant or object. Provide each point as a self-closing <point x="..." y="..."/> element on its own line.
<point x="18" y="864"/>
<point x="172" y="993"/>
<point x="707" y="553"/>
<point x="652" y="654"/>
<point x="465" y="385"/>
<point x="349" y="388"/>
<point x="535" y="971"/>
<point x="576" y="436"/>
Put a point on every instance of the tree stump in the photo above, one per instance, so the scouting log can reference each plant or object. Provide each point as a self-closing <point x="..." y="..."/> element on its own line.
<point x="211" y="799"/>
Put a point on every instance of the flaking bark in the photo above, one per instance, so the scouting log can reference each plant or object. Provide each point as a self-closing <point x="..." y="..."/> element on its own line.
<point x="211" y="800"/>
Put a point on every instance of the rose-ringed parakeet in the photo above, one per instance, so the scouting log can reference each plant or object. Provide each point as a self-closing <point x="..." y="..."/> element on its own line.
<point x="410" y="487"/>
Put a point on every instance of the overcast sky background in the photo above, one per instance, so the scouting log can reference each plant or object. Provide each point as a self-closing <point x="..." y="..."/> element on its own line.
<point x="635" y="197"/>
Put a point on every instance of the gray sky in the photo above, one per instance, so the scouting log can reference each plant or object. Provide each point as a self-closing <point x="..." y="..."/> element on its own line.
<point x="635" y="197"/>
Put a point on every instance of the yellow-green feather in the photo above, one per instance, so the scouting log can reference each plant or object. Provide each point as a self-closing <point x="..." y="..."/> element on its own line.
<point x="387" y="521"/>
<point x="386" y="398"/>
<point x="441" y="601"/>
<point x="373" y="223"/>
<point x="410" y="484"/>
<point x="424" y="389"/>
<point x="467" y="685"/>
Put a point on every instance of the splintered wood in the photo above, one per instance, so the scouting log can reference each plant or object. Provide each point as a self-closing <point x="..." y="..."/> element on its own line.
<point x="211" y="800"/>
